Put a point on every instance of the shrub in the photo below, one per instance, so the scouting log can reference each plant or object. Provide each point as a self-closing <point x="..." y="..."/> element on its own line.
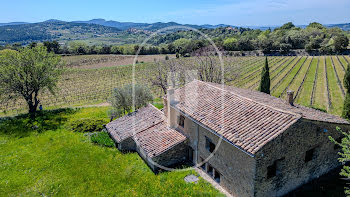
<point x="102" y="138"/>
<point x="88" y="125"/>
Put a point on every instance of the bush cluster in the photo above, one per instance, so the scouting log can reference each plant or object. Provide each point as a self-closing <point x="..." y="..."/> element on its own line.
<point x="87" y="125"/>
<point x="102" y="138"/>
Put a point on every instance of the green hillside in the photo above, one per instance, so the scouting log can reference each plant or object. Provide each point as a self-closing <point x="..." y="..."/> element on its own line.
<point x="53" y="30"/>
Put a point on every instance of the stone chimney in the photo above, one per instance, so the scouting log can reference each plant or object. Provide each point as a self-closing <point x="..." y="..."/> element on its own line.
<point x="167" y="100"/>
<point x="290" y="97"/>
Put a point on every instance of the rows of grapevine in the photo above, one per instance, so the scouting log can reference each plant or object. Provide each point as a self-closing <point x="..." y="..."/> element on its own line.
<point x="317" y="81"/>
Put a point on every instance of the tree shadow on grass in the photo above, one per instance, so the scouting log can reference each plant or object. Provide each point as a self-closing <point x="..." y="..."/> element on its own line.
<point x="23" y="125"/>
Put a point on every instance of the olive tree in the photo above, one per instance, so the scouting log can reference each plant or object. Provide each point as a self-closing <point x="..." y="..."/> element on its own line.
<point x="27" y="74"/>
<point x="122" y="99"/>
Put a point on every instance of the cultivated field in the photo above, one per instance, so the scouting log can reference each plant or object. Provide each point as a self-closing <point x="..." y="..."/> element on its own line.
<point x="102" y="61"/>
<point x="317" y="81"/>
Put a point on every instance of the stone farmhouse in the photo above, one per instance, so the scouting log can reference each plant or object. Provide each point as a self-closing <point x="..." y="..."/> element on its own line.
<point x="249" y="142"/>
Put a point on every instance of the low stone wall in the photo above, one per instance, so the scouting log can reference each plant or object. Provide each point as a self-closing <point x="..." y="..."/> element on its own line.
<point x="170" y="158"/>
<point x="127" y="145"/>
<point x="173" y="156"/>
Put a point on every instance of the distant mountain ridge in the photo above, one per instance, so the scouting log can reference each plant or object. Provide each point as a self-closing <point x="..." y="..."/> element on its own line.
<point x="13" y="23"/>
<point x="100" y="31"/>
<point x="53" y="29"/>
<point x="144" y="26"/>
<point x="344" y="26"/>
<point x="159" y="25"/>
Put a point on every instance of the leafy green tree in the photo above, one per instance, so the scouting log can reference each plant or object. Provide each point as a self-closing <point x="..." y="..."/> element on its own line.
<point x="183" y="46"/>
<point x="115" y="50"/>
<point x="78" y="48"/>
<point x="106" y="49"/>
<point x="344" y="144"/>
<point x="32" y="45"/>
<point x="346" y="108"/>
<point x="340" y="43"/>
<point x="27" y="73"/>
<point x="265" y="79"/>
<point x="230" y="44"/>
<point x="315" y="25"/>
<point x="286" y="26"/>
<point x="122" y="99"/>
<point x="171" y="48"/>
<point x="53" y="46"/>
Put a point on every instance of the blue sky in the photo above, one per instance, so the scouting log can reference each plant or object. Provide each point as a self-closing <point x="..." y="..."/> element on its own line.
<point x="233" y="12"/>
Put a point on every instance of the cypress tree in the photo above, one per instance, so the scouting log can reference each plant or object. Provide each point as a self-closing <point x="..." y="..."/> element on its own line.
<point x="265" y="79"/>
<point x="346" y="108"/>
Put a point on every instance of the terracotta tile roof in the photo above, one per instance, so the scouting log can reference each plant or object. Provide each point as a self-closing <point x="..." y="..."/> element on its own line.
<point x="305" y="112"/>
<point x="149" y="127"/>
<point x="242" y="121"/>
<point x="158" y="139"/>
<point x="248" y="119"/>
<point x="133" y="123"/>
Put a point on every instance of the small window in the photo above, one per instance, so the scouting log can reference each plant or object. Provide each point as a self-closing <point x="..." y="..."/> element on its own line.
<point x="271" y="170"/>
<point x="217" y="176"/>
<point x="309" y="155"/>
<point x="209" y="145"/>
<point x="275" y="168"/>
<point x="338" y="140"/>
<point x="210" y="170"/>
<point x="182" y="121"/>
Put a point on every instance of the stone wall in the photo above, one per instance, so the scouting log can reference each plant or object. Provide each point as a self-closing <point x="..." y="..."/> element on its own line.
<point x="288" y="150"/>
<point x="127" y="145"/>
<point x="170" y="158"/>
<point x="236" y="168"/>
<point x="173" y="156"/>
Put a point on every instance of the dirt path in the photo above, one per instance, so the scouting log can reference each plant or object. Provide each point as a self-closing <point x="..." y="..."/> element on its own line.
<point x="96" y="105"/>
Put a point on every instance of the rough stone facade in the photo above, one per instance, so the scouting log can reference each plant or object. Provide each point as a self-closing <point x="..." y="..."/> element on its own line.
<point x="289" y="151"/>
<point x="127" y="145"/>
<point x="173" y="156"/>
<point x="242" y="174"/>
<point x="236" y="168"/>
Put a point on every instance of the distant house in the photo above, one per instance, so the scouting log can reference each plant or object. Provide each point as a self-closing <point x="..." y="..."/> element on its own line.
<point x="251" y="143"/>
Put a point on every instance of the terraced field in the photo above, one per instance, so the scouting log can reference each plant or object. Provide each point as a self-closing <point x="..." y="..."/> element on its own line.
<point x="317" y="81"/>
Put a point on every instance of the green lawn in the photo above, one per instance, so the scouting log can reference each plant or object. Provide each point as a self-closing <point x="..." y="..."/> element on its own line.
<point x="52" y="160"/>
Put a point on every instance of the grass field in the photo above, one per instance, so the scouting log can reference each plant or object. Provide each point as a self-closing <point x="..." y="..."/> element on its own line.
<point x="52" y="160"/>
<point x="317" y="81"/>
